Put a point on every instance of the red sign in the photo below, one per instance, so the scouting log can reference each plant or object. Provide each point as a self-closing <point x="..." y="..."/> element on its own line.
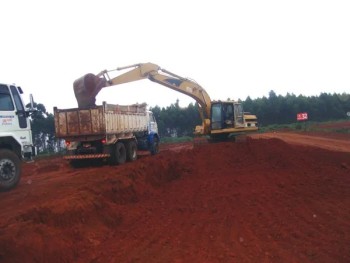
<point x="302" y="116"/>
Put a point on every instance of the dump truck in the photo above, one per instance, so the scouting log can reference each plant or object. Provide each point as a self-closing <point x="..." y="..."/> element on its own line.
<point x="16" y="142"/>
<point x="221" y="120"/>
<point x="113" y="133"/>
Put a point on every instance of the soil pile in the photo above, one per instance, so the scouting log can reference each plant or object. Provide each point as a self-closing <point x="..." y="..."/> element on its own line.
<point x="262" y="200"/>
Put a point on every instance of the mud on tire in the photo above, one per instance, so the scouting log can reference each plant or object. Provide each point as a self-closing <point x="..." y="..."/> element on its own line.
<point x="131" y="151"/>
<point x="119" y="154"/>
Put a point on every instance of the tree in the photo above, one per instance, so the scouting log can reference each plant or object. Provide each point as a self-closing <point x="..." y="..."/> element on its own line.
<point x="43" y="129"/>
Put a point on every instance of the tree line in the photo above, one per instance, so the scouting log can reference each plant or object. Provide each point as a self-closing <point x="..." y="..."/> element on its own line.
<point x="283" y="109"/>
<point x="177" y="121"/>
<point x="173" y="120"/>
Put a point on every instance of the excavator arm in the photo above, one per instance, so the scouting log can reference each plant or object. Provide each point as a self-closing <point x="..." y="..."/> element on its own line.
<point x="87" y="87"/>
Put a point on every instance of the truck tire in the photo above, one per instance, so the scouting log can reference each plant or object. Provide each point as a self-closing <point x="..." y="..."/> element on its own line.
<point x="120" y="153"/>
<point x="10" y="170"/>
<point x="131" y="151"/>
<point x="154" y="149"/>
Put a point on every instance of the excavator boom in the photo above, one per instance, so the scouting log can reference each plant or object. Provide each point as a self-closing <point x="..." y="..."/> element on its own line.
<point x="87" y="87"/>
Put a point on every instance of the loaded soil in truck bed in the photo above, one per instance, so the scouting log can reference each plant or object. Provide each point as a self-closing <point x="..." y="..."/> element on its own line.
<point x="262" y="200"/>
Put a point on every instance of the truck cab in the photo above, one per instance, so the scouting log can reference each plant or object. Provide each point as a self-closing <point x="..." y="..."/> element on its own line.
<point x="15" y="135"/>
<point x="149" y="140"/>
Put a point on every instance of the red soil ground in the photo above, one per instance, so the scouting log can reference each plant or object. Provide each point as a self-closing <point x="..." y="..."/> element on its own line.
<point x="263" y="200"/>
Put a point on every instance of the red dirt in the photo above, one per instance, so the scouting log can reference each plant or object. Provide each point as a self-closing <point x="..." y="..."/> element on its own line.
<point x="262" y="200"/>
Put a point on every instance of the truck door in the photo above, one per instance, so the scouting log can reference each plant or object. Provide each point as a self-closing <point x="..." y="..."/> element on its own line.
<point x="22" y="120"/>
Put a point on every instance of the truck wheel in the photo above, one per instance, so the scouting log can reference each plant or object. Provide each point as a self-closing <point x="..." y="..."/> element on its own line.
<point x="131" y="151"/>
<point x="120" y="153"/>
<point x="155" y="146"/>
<point x="10" y="169"/>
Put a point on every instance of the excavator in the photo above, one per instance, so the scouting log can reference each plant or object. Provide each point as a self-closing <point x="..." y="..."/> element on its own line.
<point x="220" y="119"/>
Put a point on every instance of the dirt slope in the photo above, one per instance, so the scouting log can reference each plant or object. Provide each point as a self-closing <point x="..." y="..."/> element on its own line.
<point x="257" y="201"/>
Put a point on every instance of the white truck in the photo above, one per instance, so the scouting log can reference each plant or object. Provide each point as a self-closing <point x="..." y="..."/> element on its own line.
<point x="108" y="132"/>
<point x="15" y="135"/>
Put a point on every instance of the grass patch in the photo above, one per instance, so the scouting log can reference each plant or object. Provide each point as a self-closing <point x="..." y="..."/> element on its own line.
<point x="309" y="126"/>
<point x="176" y="139"/>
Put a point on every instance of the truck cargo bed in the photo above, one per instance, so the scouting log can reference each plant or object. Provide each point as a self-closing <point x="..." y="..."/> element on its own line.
<point x="104" y="119"/>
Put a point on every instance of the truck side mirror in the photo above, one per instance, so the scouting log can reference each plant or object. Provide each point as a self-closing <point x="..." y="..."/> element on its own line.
<point x="31" y="102"/>
<point x="31" y="109"/>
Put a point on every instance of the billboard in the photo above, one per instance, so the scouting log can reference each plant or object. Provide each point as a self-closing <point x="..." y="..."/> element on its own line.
<point x="302" y="116"/>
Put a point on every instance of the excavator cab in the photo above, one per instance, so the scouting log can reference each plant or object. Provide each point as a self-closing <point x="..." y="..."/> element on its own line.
<point x="226" y="115"/>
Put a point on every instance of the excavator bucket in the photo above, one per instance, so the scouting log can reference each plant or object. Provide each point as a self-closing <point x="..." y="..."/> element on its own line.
<point x="86" y="88"/>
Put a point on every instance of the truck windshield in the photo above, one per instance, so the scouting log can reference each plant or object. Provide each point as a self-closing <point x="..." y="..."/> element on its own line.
<point x="6" y="103"/>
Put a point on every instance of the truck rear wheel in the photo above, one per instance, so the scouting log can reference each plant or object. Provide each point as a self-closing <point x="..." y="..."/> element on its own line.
<point x="131" y="151"/>
<point x="10" y="169"/>
<point x="120" y="153"/>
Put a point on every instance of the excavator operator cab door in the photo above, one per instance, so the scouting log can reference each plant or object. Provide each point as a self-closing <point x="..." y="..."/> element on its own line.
<point x="239" y="115"/>
<point x="216" y="116"/>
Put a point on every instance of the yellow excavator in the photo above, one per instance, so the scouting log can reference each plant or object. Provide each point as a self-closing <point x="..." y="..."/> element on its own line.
<point x="220" y="119"/>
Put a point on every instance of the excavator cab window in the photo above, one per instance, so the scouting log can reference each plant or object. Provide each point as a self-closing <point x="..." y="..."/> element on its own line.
<point x="228" y="115"/>
<point x="216" y="116"/>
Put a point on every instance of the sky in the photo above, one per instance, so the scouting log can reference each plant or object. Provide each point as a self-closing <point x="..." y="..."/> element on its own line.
<point x="233" y="49"/>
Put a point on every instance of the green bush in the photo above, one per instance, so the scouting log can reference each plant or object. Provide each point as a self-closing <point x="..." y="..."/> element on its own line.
<point x="176" y="139"/>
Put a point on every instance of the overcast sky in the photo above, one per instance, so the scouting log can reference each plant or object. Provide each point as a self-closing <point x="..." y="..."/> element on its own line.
<point x="233" y="49"/>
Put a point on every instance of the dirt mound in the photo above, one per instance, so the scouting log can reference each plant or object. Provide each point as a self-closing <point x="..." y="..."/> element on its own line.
<point x="262" y="200"/>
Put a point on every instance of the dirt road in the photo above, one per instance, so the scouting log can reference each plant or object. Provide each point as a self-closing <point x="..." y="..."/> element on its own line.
<point x="263" y="200"/>
<point x="332" y="142"/>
